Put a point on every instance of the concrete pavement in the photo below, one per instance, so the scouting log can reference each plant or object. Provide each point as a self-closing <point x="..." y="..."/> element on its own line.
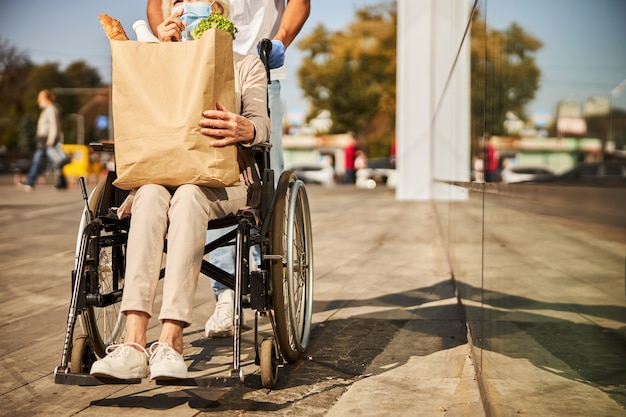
<point x="389" y="336"/>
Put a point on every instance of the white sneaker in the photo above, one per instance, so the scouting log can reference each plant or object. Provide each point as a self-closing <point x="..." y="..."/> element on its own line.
<point x="123" y="361"/>
<point x="220" y="324"/>
<point x="166" y="363"/>
<point x="25" y="187"/>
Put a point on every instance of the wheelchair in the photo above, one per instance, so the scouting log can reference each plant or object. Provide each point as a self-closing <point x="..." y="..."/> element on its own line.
<point x="280" y="289"/>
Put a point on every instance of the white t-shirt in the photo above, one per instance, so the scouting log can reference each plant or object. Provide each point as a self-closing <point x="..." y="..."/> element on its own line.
<point x="256" y="20"/>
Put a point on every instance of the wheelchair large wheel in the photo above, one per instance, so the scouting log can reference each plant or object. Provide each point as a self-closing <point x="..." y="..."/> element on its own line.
<point x="292" y="279"/>
<point x="103" y="265"/>
<point x="105" y="321"/>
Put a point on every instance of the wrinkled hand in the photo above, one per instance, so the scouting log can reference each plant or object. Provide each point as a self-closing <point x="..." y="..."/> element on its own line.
<point x="227" y="127"/>
<point x="171" y="29"/>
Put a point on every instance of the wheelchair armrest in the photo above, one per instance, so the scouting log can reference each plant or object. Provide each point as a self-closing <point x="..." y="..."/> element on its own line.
<point x="228" y="220"/>
<point x="262" y="147"/>
<point x="112" y="219"/>
<point x="104" y="146"/>
<point x="262" y="155"/>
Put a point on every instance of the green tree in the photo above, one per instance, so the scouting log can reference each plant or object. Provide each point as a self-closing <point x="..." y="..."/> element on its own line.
<point x="79" y="75"/>
<point x="504" y="75"/>
<point x="21" y="81"/>
<point x="352" y="73"/>
<point x="14" y="64"/>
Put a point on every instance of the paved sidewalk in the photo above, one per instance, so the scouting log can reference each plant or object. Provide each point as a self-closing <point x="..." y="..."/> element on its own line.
<point x="386" y="260"/>
<point x="389" y="336"/>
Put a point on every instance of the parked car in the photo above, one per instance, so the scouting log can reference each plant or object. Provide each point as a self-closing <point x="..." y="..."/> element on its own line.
<point x="607" y="172"/>
<point x="381" y="171"/>
<point x="612" y="173"/>
<point x="372" y="177"/>
<point x="313" y="173"/>
<point x="525" y="173"/>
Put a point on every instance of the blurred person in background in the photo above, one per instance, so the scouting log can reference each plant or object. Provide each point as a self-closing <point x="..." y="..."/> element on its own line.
<point x="491" y="164"/>
<point x="49" y="139"/>
<point x="349" y="156"/>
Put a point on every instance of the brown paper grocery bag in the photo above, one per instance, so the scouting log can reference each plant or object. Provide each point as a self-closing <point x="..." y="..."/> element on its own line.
<point x="159" y="93"/>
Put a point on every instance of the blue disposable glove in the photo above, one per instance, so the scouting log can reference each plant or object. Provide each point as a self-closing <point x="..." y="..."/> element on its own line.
<point x="277" y="54"/>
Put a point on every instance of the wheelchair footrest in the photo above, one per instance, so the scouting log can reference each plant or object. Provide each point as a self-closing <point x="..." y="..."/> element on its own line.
<point x="201" y="382"/>
<point x="87" y="380"/>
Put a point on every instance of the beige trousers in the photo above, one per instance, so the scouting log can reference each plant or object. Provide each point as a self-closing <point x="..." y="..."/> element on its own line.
<point x="181" y="215"/>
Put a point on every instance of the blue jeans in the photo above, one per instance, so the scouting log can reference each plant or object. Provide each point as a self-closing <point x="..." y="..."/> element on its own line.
<point x="54" y="154"/>
<point x="225" y="257"/>
<point x="277" y="159"/>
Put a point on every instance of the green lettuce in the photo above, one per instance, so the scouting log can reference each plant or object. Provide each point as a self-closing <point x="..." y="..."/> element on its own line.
<point x="215" y="21"/>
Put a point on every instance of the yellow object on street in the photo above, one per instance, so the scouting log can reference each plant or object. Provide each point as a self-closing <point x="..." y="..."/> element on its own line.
<point x="81" y="164"/>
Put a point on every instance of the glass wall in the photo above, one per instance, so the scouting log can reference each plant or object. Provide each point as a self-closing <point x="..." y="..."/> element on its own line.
<point x="538" y="247"/>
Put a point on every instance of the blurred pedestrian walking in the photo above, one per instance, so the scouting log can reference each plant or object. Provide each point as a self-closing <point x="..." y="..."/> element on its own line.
<point x="49" y="139"/>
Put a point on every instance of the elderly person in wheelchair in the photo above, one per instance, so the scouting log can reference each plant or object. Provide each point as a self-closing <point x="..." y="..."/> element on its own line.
<point x="182" y="214"/>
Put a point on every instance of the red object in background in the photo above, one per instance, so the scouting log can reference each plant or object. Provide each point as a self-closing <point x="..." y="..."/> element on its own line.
<point x="491" y="157"/>
<point x="349" y="155"/>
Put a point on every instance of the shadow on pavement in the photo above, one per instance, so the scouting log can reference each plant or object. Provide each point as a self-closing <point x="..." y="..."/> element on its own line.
<point x="339" y="354"/>
<point x="592" y="354"/>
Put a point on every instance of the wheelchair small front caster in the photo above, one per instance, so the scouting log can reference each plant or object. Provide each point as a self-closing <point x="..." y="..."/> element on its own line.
<point x="269" y="363"/>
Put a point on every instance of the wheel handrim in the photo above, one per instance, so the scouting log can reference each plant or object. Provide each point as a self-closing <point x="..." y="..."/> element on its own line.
<point x="299" y="266"/>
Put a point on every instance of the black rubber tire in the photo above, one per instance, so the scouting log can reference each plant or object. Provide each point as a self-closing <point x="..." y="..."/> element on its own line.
<point x="292" y="279"/>
<point x="105" y="325"/>
<point x="269" y="364"/>
<point x="82" y="355"/>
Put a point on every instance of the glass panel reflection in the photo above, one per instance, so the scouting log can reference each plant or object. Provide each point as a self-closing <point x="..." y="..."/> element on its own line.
<point x="538" y="248"/>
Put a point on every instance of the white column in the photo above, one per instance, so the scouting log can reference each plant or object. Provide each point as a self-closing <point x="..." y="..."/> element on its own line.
<point x="433" y="106"/>
<point x="413" y="100"/>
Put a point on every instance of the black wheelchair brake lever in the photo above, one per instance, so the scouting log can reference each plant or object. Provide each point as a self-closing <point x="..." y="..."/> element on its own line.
<point x="265" y="47"/>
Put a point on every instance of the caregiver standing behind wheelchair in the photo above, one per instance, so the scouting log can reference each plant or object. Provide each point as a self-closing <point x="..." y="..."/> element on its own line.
<point x="181" y="213"/>
<point x="280" y="21"/>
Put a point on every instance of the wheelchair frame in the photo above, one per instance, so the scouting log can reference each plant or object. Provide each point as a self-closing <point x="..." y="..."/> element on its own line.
<point x="282" y="288"/>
